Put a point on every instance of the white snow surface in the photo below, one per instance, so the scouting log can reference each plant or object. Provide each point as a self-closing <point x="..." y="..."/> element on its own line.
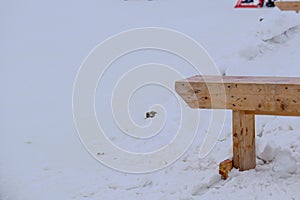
<point x="43" y="45"/>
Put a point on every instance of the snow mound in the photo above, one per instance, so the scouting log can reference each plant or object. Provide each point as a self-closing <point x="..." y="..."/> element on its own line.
<point x="271" y="49"/>
<point x="266" y="150"/>
<point x="285" y="164"/>
<point x="274" y="26"/>
<point x="269" y="39"/>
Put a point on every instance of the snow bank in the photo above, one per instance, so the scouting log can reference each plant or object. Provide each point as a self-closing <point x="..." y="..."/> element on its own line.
<point x="285" y="164"/>
<point x="271" y="49"/>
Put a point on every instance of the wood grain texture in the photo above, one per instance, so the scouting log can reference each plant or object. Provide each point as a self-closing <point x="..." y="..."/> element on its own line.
<point x="261" y="94"/>
<point x="244" y="157"/>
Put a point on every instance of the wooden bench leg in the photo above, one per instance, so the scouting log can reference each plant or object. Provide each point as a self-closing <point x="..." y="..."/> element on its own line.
<point x="244" y="156"/>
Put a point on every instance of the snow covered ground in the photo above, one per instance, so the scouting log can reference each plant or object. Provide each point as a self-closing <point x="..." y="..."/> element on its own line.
<point x="43" y="45"/>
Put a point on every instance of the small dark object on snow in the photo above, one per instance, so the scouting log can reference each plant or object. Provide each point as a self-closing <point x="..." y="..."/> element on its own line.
<point x="150" y="114"/>
<point x="270" y="3"/>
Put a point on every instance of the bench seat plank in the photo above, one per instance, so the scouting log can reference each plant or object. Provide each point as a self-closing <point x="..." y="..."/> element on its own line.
<point x="261" y="94"/>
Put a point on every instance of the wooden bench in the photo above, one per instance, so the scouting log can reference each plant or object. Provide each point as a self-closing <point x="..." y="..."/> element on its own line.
<point x="288" y="5"/>
<point x="246" y="97"/>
